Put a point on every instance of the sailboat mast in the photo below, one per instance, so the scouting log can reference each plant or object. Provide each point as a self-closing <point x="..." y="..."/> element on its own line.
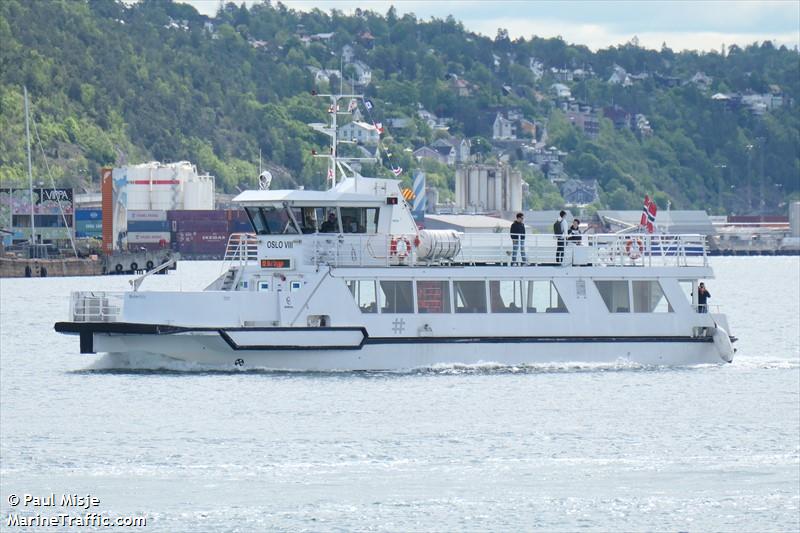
<point x="30" y="167"/>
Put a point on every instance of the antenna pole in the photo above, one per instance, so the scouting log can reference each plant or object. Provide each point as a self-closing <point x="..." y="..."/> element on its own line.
<point x="30" y="170"/>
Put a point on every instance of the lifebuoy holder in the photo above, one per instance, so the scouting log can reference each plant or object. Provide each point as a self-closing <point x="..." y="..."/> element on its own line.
<point x="634" y="248"/>
<point x="399" y="247"/>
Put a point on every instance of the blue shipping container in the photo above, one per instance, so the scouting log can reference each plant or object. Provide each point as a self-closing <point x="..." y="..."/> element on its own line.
<point x="148" y="225"/>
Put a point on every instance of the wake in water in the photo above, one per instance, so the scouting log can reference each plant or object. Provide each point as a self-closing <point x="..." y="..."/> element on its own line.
<point x="147" y="363"/>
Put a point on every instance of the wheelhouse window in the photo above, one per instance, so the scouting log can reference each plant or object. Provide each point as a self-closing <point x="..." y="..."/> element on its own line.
<point x="271" y="220"/>
<point x="505" y="296"/>
<point x="648" y="297"/>
<point x="469" y="296"/>
<point x="543" y="297"/>
<point x="433" y="296"/>
<point x="615" y="295"/>
<point x="363" y="292"/>
<point x="359" y="219"/>
<point x="396" y="297"/>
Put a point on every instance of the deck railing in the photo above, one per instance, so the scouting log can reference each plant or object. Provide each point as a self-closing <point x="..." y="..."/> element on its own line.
<point x="96" y="306"/>
<point x="477" y="248"/>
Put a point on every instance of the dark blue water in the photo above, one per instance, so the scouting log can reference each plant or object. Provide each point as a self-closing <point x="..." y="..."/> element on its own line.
<point x="553" y="448"/>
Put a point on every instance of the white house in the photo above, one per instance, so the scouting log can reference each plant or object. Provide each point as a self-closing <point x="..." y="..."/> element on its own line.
<point x="360" y="132"/>
<point x="560" y="90"/>
<point x="363" y="73"/>
<point x="503" y="129"/>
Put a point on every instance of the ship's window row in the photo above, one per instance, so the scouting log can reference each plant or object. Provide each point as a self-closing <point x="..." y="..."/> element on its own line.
<point x="646" y="295"/>
<point x="458" y="296"/>
<point x="281" y="220"/>
<point x="499" y="296"/>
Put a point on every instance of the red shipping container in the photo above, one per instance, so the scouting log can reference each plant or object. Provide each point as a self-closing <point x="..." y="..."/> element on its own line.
<point x="206" y="226"/>
<point x="196" y="214"/>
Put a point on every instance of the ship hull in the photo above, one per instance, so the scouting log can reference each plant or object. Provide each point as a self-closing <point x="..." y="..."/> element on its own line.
<point x="331" y="349"/>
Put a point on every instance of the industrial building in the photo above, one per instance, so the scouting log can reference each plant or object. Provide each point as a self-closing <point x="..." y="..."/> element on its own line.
<point x="484" y="188"/>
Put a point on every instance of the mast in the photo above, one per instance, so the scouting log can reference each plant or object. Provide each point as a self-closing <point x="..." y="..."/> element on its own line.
<point x="332" y="131"/>
<point x="30" y="170"/>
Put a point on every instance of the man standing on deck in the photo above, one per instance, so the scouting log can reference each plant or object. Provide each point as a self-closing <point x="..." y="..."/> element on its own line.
<point x="560" y="231"/>
<point x="518" y="240"/>
<point x="702" y="298"/>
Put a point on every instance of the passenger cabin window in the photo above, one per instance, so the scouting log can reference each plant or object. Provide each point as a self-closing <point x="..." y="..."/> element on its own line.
<point x="469" y="296"/>
<point x="396" y="297"/>
<point x="433" y="297"/>
<point x="648" y="297"/>
<point x="359" y="219"/>
<point x="615" y="295"/>
<point x="314" y="219"/>
<point x="363" y="292"/>
<point x="271" y="220"/>
<point x="505" y="296"/>
<point x="543" y="297"/>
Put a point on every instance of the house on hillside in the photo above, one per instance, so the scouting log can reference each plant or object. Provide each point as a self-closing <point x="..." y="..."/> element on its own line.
<point x="560" y="91"/>
<point x="642" y="125"/>
<point x="620" y="77"/>
<point x="561" y="74"/>
<point x="579" y="192"/>
<point x="445" y="155"/>
<point x="503" y="128"/>
<point x="348" y="53"/>
<point x="462" y="147"/>
<point x="537" y="67"/>
<point x="618" y="116"/>
<point x="363" y="73"/>
<point x="360" y="132"/>
<point x="583" y="117"/>
<point x="461" y="86"/>
<point x="701" y="81"/>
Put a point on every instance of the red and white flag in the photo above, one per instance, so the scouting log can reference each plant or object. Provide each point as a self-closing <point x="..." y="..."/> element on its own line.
<point x="379" y="127"/>
<point x="649" y="211"/>
<point x="397" y="171"/>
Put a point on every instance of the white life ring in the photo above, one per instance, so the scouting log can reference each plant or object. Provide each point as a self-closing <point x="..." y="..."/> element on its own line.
<point x="634" y="248"/>
<point x="399" y="247"/>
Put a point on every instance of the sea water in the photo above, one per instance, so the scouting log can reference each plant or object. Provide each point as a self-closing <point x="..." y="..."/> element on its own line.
<point x="552" y="448"/>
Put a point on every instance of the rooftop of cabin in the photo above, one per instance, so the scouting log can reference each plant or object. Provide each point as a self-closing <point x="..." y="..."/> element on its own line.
<point x="350" y="191"/>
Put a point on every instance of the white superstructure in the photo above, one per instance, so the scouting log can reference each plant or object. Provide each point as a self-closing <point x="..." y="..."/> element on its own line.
<point x="343" y="279"/>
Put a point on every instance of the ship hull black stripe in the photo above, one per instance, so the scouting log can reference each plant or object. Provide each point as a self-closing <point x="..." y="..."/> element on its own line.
<point x="127" y="328"/>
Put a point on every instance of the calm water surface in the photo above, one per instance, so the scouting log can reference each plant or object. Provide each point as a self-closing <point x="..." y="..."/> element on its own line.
<point x="558" y="448"/>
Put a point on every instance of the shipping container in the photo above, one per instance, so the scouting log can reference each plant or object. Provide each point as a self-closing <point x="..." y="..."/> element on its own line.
<point x="88" y="229"/>
<point x="146" y="216"/>
<point x="137" y="237"/>
<point x="239" y="226"/>
<point x="195" y="214"/>
<point x="89" y="214"/>
<point x="213" y="226"/>
<point x="148" y="225"/>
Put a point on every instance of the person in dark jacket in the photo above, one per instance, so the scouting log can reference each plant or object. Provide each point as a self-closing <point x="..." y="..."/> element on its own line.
<point x="560" y="231"/>
<point x="518" y="240"/>
<point x="702" y="298"/>
<point x="574" y="231"/>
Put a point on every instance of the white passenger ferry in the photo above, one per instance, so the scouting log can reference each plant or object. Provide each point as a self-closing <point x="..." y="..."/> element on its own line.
<point x="343" y="280"/>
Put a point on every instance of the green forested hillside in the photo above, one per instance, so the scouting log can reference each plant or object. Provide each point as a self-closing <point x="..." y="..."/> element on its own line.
<point x="112" y="83"/>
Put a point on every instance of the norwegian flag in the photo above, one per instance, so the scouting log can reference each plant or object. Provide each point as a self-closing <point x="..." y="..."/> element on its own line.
<point x="649" y="211"/>
<point x="397" y="171"/>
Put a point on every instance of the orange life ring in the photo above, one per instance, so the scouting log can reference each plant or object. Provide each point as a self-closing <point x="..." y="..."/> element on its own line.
<point x="399" y="247"/>
<point x="634" y="248"/>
